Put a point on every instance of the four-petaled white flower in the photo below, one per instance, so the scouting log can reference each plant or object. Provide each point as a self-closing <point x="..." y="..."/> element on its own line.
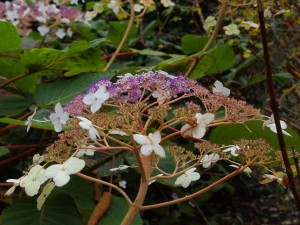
<point x="96" y="99"/>
<point x="122" y="184"/>
<point x="167" y="3"/>
<point x="82" y="152"/>
<point x="61" y="172"/>
<point x="150" y="143"/>
<point x="114" y="6"/>
<point x="33" y="180"/>
<point x="271" y="124"/>
<point x="59" y="117"/>
<point x="29" y="120"/>
<point x="209" y="22"/>
<point x="232" y="150"/>
<point x="88" y="125"/>
<point x="138" y="8"/>
<point x="198" y="131"/>
<point x="209" y="159"/>
<point x="232" y="29"/>
<point x="43" y="30"/>
<point x="219" y="88"/>
<point x="185" y="179"/>
<point x="60" y="33"/>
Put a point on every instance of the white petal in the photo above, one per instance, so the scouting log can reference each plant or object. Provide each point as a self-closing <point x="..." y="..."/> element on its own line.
<point x="51" y="171"/>
<point x="58" y="109"/>
<point x="95" y="106"/>
<point x="286" y="133"/>
<point x="32" y="188"/>
<point x="218" y="85"/>
<point x="89" y="99"/>
<point x="186" y="182"/>
<point x="58" y="127"/>
<point x="11" y="190"/>
<point x="156" y="137"/>
<point x="272" y="127"/>
<point x="283" y="124"/>
<point x="186" y="129"/>
<point x="15" y="181"/>
<point x="215" y="157"/>
<point x="64" y="117"/>
<point x="61" y="178"/>
<point x="80" y="153"/>
<point x="194" y="176"/>
<point x="198" y="132"/>
<point x="180" y="179"/>
<point x="226" y="91"/>
<point x="73" y="165"/>
<point x="93" y="133"/>
<point x="53" y="118"/>
<point x="141" y="139"/>
<point x="206" y="118"/>
<point x="190" y="171"/>
<point x="159" y="150"/>
<point x="85" y="123"/>
<point x="101" y="90"/>
<point x="146" y="149"/>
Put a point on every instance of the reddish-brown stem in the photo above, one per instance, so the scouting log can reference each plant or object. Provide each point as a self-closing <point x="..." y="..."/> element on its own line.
<point x="119" y="54"/>
<point x="11" y="159"/>
<point x="274" y="105"/>
<point x="9" y="56"/>
<point x="13" y="79"/>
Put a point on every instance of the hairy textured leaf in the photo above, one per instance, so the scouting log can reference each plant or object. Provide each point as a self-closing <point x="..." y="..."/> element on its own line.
<point x="57" y="211"/>
<point x="9" y="38"/>
<point x="13" y="105"/>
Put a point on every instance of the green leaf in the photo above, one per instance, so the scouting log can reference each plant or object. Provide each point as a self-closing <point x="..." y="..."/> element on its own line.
<point x="225" y="134"/>
<point x="217" y="60"/>
<point x="149" y="52"/>
<point x="63" y="90"/>
<point x="79" y="57"/>
<point x="4" y="151"/>
<point x="116" y="32"/>
<point x="44" y="126"/>
<point x="193" y="43"/>
<point x="56" y="211"/>
<point x="9" y="38"/>
<point x="13" y="105"/>
<point x="117" y="211"/>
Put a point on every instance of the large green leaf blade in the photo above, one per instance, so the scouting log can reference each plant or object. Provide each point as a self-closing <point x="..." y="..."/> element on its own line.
<point x="9" y="38"/>
<point x="13" y="105"/>
<point x="63" y="90"/>
<point x="57" y="211"/>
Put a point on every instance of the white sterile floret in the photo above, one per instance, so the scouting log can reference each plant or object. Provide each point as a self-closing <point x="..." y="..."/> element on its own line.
<point x="232" y="150"/>
<point x="167" y="3"/>
<point x="114" y="6"/>
<point x="13" y="188"/>
<point x="59" y="117"/>
<point x="270" y="123"/>
<point x="209" y="159"/>
<point x="33" y="180"/>
<point x="209" y="22"/>
<point x="150" y="143"/>
<point x="249" y="24"/>
<point x="118" y="132"/>
<point x="96" y="99"/>
<point x="43" y="30"/>
<point x="185" y="179"/>
<point x="138" y="8"/>
<point x="29" y="120"/>
<point x="232" y="29"/>
<point x="82" y="152"/>
<point x="88" y="125"/>
<point x="199" y="130"/>
<point x="61" y="172"/>
<point x="219" y="88"/>
<point x="60" y="33"/>
<point x="126" y="75"/>
<point x="122" y="184"/>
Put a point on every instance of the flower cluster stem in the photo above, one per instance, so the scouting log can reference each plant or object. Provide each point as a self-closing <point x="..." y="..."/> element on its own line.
<point x="274" y="106"/>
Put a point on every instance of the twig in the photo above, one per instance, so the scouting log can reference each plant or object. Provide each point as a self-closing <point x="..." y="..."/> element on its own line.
<point x="274" y="105"/>
<point x="13" y="79"/>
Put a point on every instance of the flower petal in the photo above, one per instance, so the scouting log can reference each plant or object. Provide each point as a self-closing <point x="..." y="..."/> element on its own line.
<point x="89" y="99"/>
<point x="93" y="133"/>
<point x="95" y="106"/>
<point x="156" y="137"/>
<point x="159" y="150"/>
<point x="186" y="182"/>
<point x="194" y="176"/>
<point x="73" y="165"/>
<point x="61" y="178"/>
<point x="32" y="188"/>
<point x="147" y="149"/>
<point x="141" y="139"/>
<point x="180" y="179"/>
<point x="198" y="132"/>
<point x="51" y="171"/>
